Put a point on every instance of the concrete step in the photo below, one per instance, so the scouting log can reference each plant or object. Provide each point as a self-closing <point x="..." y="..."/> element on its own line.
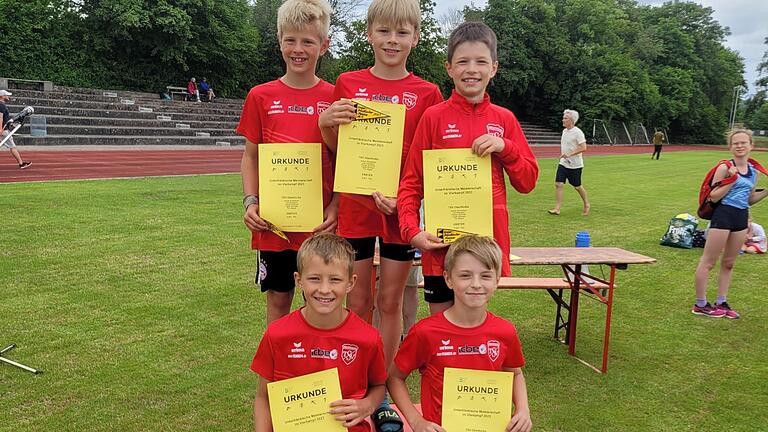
<point x="128" y="122"/>
<point x="127" y="131"/>
<point x="85" y="140"/>
<point x="118" y="113"/>
<point x="76" y="92"/>
<point x="117" y="105"/>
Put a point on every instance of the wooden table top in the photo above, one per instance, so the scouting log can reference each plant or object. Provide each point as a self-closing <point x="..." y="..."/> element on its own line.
<point x="576" y="255"/>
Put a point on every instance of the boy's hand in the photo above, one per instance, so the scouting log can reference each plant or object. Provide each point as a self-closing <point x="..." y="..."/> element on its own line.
<point x="422" y="425"/>
<point x="351" y="411"/>
<point x="385" y="204"/>
<point x="340" y="112"/>
<point x="520" y="422"/>
<point x="487" y="144"/>
<point x="252" y="219"/>
<point x="330" y="219"/>
<point x="427" y="241"/>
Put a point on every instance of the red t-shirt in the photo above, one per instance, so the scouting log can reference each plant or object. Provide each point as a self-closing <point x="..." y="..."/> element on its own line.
<point x="276" y="113"/>
<point x="358" y="214"/>
<point x="435" y="343"/>
<point x="292" y="347"/>
<point x="456" y="123"/>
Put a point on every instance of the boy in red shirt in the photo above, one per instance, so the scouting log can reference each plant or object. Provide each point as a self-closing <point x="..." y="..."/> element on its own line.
<point x="466" y="119"/>
<point x="323" y="335"/>
<point x="285" y="111"/>
<point x="393" y="30"/>
<point x="472" y="269"/>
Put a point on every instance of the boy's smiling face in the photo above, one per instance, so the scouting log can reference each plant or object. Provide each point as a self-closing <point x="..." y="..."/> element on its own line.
<point x="473" y="283"/>
<point x="471" y="68"/>
<point x="325" y="285"/>
<point x="301" y="48"/>
<point x="392" y="43"/>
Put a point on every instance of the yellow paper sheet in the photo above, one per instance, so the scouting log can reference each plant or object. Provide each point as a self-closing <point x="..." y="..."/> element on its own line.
<point x="369" y="150"/>
<point x="301" y="404"/>
<point x="457" y="192"/>
<point x="477" y="401"/>
<point x="291" y="185"/>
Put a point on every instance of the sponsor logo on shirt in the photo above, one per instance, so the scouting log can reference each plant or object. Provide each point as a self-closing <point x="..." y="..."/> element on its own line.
<point x="362" y="93"/>
<point x="322" y="106"/>
<point x="348" y="353"/>
<point x="301" y="109"/>
<point x="320" y="353"/>
<point x="451" y="131"/>
<point x="445" y="349"/>
<point x="473" y="349"/>
<point x="379" y="97"/>
<point x="297" y="351"/>
<point x="409" y="100"/>
<point x="276" y="108"/>
<point x="495" y="130"/>
<point x="494" y="349"/>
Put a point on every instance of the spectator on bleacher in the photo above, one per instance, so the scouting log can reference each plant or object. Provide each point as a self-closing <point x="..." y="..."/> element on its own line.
<point x="7" y="126"/>
<point x="192" y="92"/>
<point x="206" y="90"/>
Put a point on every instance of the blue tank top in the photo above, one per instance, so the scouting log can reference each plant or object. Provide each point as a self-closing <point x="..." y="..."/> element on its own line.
<point x="738" y="196"/>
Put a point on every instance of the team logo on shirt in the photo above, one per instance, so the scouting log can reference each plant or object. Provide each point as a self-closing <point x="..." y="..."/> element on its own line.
<point x="301" y="109"/>
<point x="451" y="131"/>
<point x="324" y="354"/>
<point x="297" y="352"/>
<point x="445" y="348"/>
<point x="275" y="108"/>
<point x="348" y="353"/>
<point x="362" y="93"/>
<point x="409" y="100"/>
<point x="322" y="106"/>
<point x="495" y="130"/>
<point x="494" y="348"/>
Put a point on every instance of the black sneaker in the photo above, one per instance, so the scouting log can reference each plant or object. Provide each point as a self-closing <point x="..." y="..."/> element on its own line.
<point x="24" y="165"/>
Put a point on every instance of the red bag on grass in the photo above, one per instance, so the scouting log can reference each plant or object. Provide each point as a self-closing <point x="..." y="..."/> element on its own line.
<point x="707" y="206"/>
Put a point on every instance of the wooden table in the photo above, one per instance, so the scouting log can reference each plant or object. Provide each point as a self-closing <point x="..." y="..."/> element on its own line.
<point x="572" y="260"/>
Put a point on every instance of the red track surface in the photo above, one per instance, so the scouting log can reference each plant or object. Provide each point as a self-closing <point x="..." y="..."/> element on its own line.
<point x="100" y="164"/>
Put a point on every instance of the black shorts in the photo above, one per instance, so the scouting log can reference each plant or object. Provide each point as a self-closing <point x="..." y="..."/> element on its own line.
<point x="729" y="218"/>
<point x="364" y="249"/>
<point x="274" y="270"/>
<point x="436" y="290"/>
<point x="573" y="175"/>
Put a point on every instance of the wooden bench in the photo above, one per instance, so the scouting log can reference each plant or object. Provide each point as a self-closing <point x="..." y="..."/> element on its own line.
<point x="172" y="90"/>
<point x="539" y="283"/>
<point x="26" y="84"/>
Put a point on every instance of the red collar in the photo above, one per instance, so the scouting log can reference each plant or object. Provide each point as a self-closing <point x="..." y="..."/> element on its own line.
<point x="463" y="104"/>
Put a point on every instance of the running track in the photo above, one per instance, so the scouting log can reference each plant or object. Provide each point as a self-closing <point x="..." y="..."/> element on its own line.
<point x="50" y="165"/>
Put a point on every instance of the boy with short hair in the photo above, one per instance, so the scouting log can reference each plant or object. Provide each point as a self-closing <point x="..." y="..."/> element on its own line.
<point x="472" y="270"/>
<point x="467" y="119"/>
<point x="342" y="339"/>
<point x="285" y="111"/>
<point x="393" y="30"/>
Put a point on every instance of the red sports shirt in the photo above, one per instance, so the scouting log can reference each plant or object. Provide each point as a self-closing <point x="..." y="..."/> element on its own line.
<point x="434" y="344"/>
<point x="456" y="123"/>
<point x="276" y="113"/>
<point x="358" y="214"/>
<point x="291" y="347"/>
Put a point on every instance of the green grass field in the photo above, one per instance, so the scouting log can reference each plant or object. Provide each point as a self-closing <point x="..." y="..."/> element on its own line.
<point x="136" y="299"/>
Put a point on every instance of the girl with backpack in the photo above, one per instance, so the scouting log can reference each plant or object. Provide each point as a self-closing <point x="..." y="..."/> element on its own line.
<point x="728" y="225"/>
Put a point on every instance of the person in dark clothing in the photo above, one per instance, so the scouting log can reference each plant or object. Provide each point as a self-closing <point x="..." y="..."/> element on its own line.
<point x="7" y="125"/>
<point x="658" y="139"/>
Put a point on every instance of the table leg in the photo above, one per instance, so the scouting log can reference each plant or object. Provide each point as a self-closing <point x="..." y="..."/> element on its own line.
<point x="574" y="312"/>
<point x="609" y="304"/>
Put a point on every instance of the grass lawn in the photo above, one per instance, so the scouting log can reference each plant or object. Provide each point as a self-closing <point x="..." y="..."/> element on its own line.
<point x="136" y="299"/>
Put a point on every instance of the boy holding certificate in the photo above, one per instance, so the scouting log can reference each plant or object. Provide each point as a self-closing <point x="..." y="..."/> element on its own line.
<point x="323" y="335"/>
<point x="393" y="30"/>
<point x="285" y="111"/>
<point x="464" y="336"/>
<point x="467" y="119"/>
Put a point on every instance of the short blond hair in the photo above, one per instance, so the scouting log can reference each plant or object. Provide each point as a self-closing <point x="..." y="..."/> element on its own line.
<point x="396" y="12"/>
<point x="733" y="132"/>
<point x="295" y="14"/>
<point x="329" y="247"/>
<point x="482" y="248"/>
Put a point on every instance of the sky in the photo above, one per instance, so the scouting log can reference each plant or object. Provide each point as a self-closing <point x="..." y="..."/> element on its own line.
<point x="747" y="20"/>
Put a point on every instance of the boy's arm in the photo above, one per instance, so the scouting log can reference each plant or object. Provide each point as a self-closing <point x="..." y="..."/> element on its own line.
<point x="249" y="171"/>
<point x="521" y="417"/>
<point x="399" y="392"/>
<point x="262" y="419"/>
<point x="354" y="411"/>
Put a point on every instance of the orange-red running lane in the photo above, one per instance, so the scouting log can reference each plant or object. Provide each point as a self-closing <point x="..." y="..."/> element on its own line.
<point x="100" y="164"/>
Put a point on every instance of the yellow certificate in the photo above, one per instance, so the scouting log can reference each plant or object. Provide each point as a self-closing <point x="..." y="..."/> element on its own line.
<point x="369" y="150"/>
<point x="301" y="404"/>
<point x="291" y="186"/>
<point x="477" y="401"/>
<point x="458" y="198"/>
